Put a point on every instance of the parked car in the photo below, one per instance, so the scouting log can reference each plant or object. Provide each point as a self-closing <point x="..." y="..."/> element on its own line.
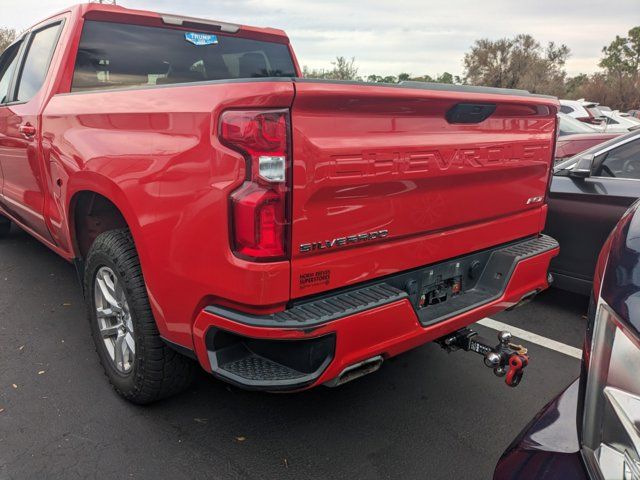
<point x="284" y="232"/>
<point x="627" y="116"/>
<point x="618" y="122"/>
<point x="634" y="113"/>
<point x="582" y="110"/>
<point x="589" y="193"/>
<point x="569" y="145"/>
<point x="575" y="136"/>
<point x="568" y="125"/>
<point x="590" y="431"/>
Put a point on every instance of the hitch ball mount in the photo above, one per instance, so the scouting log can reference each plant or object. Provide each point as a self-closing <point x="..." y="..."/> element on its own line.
<point x="506" y="359"/>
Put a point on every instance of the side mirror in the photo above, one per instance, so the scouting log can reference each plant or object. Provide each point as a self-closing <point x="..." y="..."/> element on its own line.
<point x="582" y="168"/>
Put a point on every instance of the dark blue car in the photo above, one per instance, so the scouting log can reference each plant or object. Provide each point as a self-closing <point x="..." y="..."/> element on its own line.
<point x="592" y="430"/>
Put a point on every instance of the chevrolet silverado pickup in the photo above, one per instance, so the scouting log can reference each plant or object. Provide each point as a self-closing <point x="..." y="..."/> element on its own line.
<point x="283" y="232"/>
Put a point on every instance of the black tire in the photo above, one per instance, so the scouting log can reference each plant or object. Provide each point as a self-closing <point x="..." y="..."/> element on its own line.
<point x="157" y="370"/>
<point x="5" y="226"/>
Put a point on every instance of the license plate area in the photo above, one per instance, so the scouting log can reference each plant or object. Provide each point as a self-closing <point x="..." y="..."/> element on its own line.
<point x="440" y="291"/>
<point x="434" y="287"/>
<point x="446" y="289"/>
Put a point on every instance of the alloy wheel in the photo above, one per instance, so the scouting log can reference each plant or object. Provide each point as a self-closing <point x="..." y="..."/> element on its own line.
<point x="114" y="320"/>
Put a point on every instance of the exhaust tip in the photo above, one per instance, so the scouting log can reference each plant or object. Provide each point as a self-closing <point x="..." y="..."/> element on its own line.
<point x="526" y="298"/>
<point x="357" y="370"/>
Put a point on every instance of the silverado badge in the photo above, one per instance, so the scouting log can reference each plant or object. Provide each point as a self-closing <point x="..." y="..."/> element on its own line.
<point x="342" y="241"/>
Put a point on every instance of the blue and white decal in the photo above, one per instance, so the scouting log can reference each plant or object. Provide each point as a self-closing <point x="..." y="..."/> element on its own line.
<point x="200" y="39"/>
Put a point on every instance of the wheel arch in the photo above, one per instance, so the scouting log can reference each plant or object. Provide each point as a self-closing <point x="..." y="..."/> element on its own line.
<point x="80" y="190"/>
<point x="96" y="204"/>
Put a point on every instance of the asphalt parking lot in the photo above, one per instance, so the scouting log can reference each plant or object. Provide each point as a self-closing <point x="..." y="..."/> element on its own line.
<point x="425" y="414"/>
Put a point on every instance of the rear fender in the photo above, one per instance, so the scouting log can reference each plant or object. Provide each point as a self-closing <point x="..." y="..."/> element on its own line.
<point x="88" y="181"/>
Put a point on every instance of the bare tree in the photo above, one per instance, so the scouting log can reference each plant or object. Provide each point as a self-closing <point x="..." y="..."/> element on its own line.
<point x="621" y="63"/>
<point x="618" y="84"/>
<point x="343" y="69"/>
<point x="519" y="62"/>
<point x="7" y="36"/>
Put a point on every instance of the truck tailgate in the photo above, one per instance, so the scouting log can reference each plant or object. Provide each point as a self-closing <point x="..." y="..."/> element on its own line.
<point x="388" y="178"/>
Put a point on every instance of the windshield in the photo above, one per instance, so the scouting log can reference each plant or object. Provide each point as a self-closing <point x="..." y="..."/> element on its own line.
<point x="569" y="125"/>
<point x="570" y="162"/>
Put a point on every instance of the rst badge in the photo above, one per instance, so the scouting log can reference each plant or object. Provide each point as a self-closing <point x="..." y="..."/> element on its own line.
<point x="342" y="241"/>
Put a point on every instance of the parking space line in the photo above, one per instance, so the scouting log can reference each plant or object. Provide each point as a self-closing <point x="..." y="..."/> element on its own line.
<point x="533" y="337"/>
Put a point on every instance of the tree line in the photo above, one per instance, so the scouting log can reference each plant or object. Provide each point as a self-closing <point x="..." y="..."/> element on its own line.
<point x="519" y="62"/>
<point x="524" y="63"/>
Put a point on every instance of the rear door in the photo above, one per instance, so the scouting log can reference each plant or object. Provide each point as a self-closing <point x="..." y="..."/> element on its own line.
<point x="8" y="66"/>
<point x="391" y="178"/>
<point x="20" y="152"/>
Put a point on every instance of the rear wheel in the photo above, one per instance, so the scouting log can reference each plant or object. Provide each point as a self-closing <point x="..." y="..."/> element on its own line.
<point x="5" y="226"/>
<point x="139" y="365"/>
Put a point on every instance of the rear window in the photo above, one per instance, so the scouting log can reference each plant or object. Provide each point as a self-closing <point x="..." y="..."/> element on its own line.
<point x="114" y="55"/>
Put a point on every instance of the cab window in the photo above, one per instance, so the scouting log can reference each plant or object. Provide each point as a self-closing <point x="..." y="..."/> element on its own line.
<point x="8" y="62"/>
<point x="114" y="55"/>
<point x="36" y="64"/>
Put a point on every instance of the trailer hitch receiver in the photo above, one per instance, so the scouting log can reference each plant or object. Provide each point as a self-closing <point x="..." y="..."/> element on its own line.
<point x="506" y="359"/>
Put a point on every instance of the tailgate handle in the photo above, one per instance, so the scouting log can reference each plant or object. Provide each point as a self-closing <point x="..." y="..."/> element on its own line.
<point x="470" y="112"/>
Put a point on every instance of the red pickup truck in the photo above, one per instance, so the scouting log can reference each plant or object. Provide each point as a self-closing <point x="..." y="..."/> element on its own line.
<point x="283" y="232"/>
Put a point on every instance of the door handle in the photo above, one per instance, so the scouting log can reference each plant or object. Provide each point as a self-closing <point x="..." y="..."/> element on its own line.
<point x="27" y="130"/>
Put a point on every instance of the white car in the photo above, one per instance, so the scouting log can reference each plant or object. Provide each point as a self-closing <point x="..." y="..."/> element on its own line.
<point x="584" y="111"/>
<point x="616" y="121"/>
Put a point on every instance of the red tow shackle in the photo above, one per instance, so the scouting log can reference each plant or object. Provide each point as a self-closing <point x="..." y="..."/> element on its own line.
<point x="517" y="362"/>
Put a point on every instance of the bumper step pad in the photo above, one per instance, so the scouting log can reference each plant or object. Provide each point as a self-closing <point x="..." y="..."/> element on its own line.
<point x="254" y="367"/>
<point x="492" y="282"/>
<point x="263" y="364"/>
<point x="322" y="310"/>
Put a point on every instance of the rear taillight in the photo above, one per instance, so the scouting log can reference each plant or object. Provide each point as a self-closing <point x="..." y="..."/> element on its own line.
<point x="259" y="208"/>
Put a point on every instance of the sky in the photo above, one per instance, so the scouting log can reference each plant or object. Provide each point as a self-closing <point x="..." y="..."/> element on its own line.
<point x="393" y="36"/>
